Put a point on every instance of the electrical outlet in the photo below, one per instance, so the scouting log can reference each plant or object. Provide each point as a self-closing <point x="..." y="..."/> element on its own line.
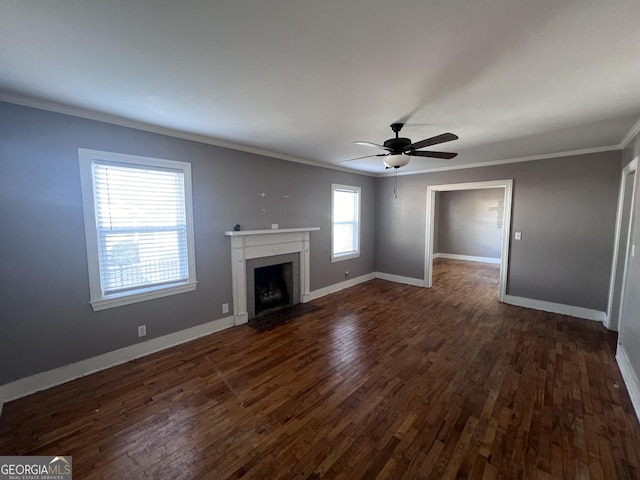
<point x="142" y="330"/>
<point x="225" y="308"/>
<point x="518" y="236"/>
<point x="274" y="226"/>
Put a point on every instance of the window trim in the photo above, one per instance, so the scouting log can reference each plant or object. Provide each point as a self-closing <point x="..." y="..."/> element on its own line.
<point x="98" y="300"/>
<point x="349" y="255"/>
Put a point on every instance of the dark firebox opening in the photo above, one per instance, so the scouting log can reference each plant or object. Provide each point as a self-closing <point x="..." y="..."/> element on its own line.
<point x="273" y="287"/>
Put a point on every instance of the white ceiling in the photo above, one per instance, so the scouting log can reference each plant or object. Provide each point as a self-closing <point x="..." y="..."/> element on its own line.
<point x="307" y="78"/>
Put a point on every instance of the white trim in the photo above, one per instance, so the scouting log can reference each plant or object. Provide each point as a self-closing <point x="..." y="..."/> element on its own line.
<point x="579" y="312"/>
<point x="51" y="378"/>
<point x="506" y="226"/>
<point x="358" y="191"/>
<point x="336" y="287"/>
<point x="141" y="296"/>
<point x="241" y="233"/>
<point x="416" y="282"/>
<point x="267" y="244"/>
<point x="630" y="378"/>
<point x="627" y="170"/>
<point x="490" y="163"/>
<point x="630" y="135"/>
<point x="344" y="256"/>
<point x="170" y="132"/>
<point x="467" y="258"/>
<point x="471" y="185"/>
<point x="630" y="167"/>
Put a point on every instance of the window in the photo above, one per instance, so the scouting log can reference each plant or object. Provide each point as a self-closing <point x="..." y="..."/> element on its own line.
<point x="139" y="227"/>
<point x="345" y="222"/>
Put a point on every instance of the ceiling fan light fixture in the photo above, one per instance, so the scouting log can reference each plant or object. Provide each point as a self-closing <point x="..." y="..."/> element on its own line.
<point x="396" y="160"/>
<point x="399" y="150"/>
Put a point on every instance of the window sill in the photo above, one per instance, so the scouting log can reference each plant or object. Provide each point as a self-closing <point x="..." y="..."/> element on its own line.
<point x="141" y="296"/>
<point x="346" y="256"/>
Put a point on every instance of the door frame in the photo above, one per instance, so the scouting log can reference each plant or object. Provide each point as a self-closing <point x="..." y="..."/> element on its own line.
<point x="506" y="227"/>
<point x="631" y="167"/>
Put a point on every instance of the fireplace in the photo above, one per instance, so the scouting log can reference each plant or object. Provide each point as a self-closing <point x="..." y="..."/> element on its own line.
<point x="272" y="283"/>
<point x="251" y="249"/>
<point x="271" y="288"/>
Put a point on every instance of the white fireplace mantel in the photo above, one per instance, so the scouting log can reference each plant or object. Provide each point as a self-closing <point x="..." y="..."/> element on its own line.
<point x="248" y="244"/>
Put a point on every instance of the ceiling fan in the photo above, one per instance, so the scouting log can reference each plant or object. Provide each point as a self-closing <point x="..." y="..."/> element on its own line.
<point x="399" y="149"/>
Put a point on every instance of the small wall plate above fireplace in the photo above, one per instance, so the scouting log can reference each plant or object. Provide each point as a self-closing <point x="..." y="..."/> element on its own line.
<point x="255" y="244"/>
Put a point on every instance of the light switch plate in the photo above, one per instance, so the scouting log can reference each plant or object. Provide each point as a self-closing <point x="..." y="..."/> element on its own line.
<point x="518" y="236"/>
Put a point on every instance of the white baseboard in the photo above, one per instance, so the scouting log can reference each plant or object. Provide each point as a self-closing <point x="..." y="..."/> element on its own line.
<point x="336" y="287"/>
<point x="417" y="282"/>
<point x="468" y="258"/>
<point x="630" y="378"/>
<point x="51" y="378"/>
<point x="578" y="312"/>
<point x="241" y="319"/>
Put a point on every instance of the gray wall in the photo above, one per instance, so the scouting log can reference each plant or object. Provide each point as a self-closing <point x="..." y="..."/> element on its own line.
<point x="564" y="207"/>
<point x="466" y="223"/>
<point x="45" y="318"/>
<point x="629" y="328"/>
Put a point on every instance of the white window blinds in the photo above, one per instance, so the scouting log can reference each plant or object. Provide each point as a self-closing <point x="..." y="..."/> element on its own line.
<point x="141" y="226"/>
<point x="345" y="214"/>
<point x="138" y="225"/>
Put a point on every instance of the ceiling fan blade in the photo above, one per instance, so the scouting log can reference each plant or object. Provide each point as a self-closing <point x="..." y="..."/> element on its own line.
<point x="445" y="137"/>
<point x="360" y="158"/>
<point x="447" y="155"/>
<point x="371" y="144"/>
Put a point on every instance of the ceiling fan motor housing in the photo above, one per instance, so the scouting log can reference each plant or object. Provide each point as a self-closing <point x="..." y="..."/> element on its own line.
<point x="397" y="145"/>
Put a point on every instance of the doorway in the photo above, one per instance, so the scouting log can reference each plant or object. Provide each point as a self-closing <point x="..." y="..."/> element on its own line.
<point x="507" y="185"/>
<point x="621" y="245"/>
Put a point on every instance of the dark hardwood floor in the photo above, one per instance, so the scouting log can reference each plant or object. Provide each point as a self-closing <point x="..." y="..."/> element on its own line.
<point x="383" y="381"/>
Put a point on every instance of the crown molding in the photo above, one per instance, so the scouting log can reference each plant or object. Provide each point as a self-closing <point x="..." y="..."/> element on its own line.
<point x="148" y="127"/>
<point x="630" y="135"/>
<point x="490" y="163"/>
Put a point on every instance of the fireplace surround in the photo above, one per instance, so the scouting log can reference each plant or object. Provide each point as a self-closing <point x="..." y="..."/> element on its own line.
<point x="248" y="245"/>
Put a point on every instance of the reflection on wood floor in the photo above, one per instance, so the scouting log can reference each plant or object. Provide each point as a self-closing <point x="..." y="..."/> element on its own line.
<point x="384" y="381"/>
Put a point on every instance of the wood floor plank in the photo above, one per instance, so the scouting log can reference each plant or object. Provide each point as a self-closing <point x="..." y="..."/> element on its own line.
<point x="382" y="381"/>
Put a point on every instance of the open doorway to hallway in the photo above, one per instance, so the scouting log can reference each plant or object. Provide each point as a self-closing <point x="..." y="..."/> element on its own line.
<point x="469" y="222"/>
